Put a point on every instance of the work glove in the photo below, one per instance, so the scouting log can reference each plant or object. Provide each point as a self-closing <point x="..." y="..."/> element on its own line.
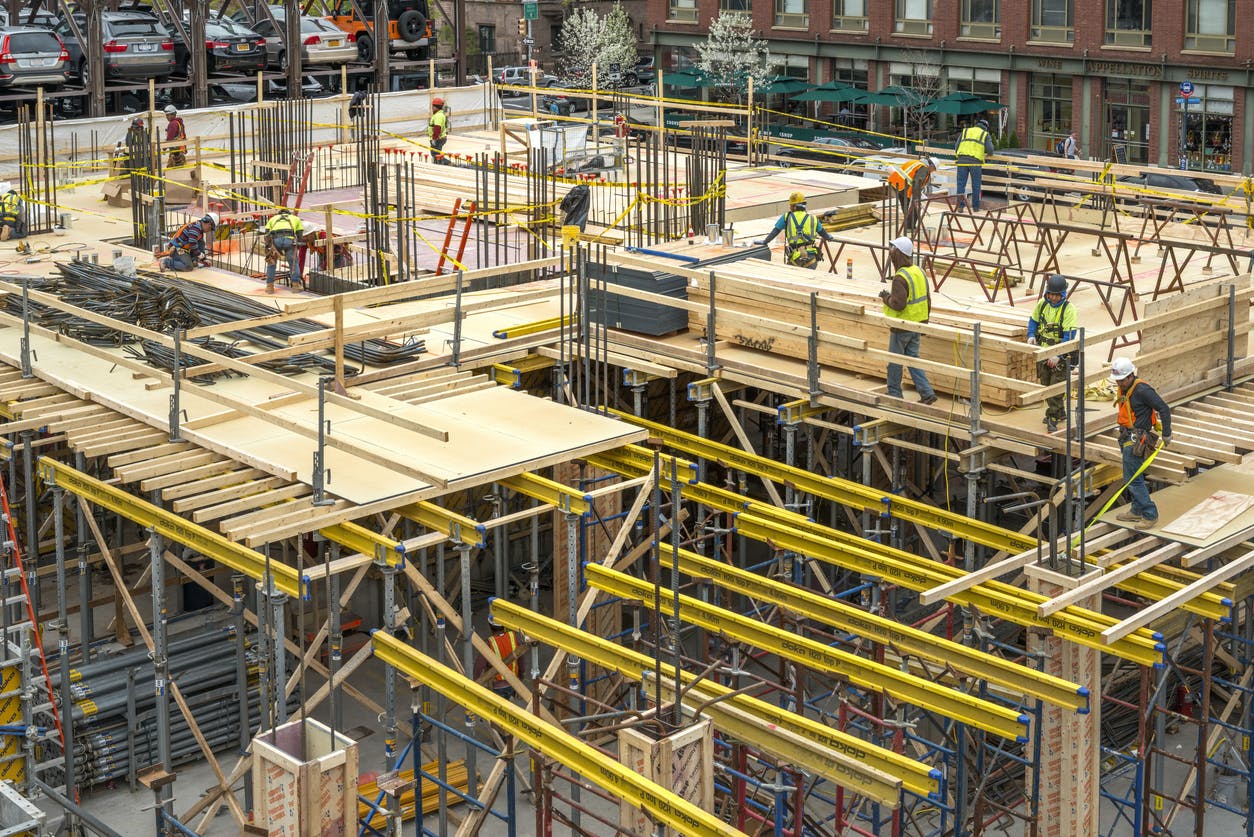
<point x="1166" y="441"/>
<point x="1031" y="341"/>
<point x="1052" y="363"/>
<point x="884" y="295"/>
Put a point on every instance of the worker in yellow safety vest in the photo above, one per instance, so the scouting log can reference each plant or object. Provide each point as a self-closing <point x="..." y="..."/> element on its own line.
<point x="909" y="301"/>
<point x="801" y="233"/>
<point x="12" y="225"/>
<point x="1053" y="321"/>
<point x="283" y="232"/>
<point x="910" y="180"/>
<point x="437" y="130"/>
<point x="974" y="146"/>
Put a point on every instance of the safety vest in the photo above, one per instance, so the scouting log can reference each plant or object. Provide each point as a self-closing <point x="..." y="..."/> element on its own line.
<point x="284" y="222"/>
<point x="917" y="309"/>
<point x="1124" y="404"/>
<point x="972" y="143"/>
<point x="10" y="205"/>
<point x="901" y="178"/>
<point x="800" y="228"/>
<point x="1049" y="333"/>
<point x="437" y="125"/>
<point x="504" y="645"/>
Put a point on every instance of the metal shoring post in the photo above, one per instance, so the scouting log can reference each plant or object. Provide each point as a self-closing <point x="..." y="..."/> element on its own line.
<point x="1068" y="495"/>
<point x="1230" y="368"/>
<point x="415" y="755"/>
<point x="335" y="653"/>
<point x="676" y="643"/>
<point x="32" y="528"/>
<point x="390" y="731"/>
<point x="278" y="599"/>
<point x="573" y="662"/>
<point x="133" y="766"/>
<point x="177" y="377"/>
<point x="974" y="474"/>
<point x="655" y="569"/>
<point x="499" y="568"/>
<point x="160" y="669"/>
<point x="319" y="458"/>
<point x="894" y="535"/>
<point x="25" y="343"/>
<point x="28" y="698"/>
<point x="241" y="673"/>
<point x="812" y="351"/>
<point x="468" y="654"/>
<point x="711" y="334"/>
<point x="86" y="629"/>
<point x="441" y="708"/>
<point x="1080" y="405"/>
<point x="63" y="647"/>
<point x="787" y="558"/>
<point x="703" y="430"/>
<point x="455" y="358"/>
<point x="533" y="584"/>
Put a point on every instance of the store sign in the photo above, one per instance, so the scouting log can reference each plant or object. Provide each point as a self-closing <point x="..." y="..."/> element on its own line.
<point x="1209" y="75"/>
<point x="1049" y="63"/>
<point x="1122" y="68"/>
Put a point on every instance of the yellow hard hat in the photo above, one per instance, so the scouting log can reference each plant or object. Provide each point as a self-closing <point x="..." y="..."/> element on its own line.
<point x="796" y="198"/>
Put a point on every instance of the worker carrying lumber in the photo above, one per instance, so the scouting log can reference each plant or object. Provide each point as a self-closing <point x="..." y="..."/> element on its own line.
<point x="909" y="301"/>
<point x="973" y="147"/>
<point x="175" y="130"/>
<point x="1142" y="413"/>
<point x="189" y="246"/>
<point x="437" y="130"/>
<point x="1053" y="321"/>
<point x="801" y="233"/>
<point x="509" y="649"/>
<point x="12" y="222"/>
<point x="283" y="233"/>
<point x="910" y="180"/>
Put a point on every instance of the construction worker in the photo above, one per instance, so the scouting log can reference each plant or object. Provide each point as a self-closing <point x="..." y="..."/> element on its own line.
<point x="437" y="130"/>
<point x="175" y="130"/>
<point x="973" y="147"/>
<point x="283" y="232"/>
<point x="1053" y="321"/>
<point x="801" y="233"/>
<point x="315" y="240"/>
<point x="188" y="246"/>
<point x="136" y="144"/>
<point x="1141" y="411"/>
<point x="910" y="180"/>
<point x="12" y="225"/>
<point x="506" y="645"/>
<point x="909" y="301"/>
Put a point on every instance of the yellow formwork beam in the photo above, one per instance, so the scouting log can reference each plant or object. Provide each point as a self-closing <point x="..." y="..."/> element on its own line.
<point x="360" y="539"/>
<point x="551" y="741"/>
<point x="867" y="674"/>
<point x="902" y="568"/>
<point x="853" y="754"/>
<point x="458" y="527"/>
<point x="1152" y="584"/>
<point x="1018" y="679"/>
<point x="511" y="374"/>
<point x="170" y="525"/>
<point x="523" y="329"/>
<point x="548" y="491"/>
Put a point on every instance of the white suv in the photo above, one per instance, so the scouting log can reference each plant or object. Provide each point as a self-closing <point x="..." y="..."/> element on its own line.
<point x="522" y="76"/>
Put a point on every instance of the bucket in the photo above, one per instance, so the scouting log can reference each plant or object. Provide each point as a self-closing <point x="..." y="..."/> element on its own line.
<point x="64" y="220"/>
<point x="711" y="233"/>
<point x="570" y="235"/>
<point x="729" y="236"/>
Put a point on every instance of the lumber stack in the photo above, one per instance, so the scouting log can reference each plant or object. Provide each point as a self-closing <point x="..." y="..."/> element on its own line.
<point x="767" y="306"/>
<point x="850" y="217"/>
<point x="456" y="777"/>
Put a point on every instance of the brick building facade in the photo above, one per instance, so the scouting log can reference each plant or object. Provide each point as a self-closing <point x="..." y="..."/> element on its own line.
<point x="1110" y="68"/>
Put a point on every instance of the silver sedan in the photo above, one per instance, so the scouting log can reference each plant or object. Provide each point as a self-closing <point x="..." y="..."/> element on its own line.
<point x="322" y="42"/>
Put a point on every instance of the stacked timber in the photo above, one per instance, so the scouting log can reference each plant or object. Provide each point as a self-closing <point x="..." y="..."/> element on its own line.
<point x="766" y="306"/>
<point x="455" y="774"/>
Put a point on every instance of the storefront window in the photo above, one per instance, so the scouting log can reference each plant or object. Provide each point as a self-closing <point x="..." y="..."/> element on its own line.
<point x="1208" y="128"/>
<point x="1051" y="110"/>
<point x="1127" y="120"/>
<point x="851" y="71"/>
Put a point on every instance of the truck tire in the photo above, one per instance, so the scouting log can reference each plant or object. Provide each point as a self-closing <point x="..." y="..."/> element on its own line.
<point x="412" y="26"/>
<point x="365" y="48"/>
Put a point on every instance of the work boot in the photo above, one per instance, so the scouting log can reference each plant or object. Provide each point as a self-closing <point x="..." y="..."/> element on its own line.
<point x="1051" y="424"/>
<point x="269" y="287"/>
<point x="1128" y="516"/>
<point x="1145" y="523"/>
<point x="931" y="399"/>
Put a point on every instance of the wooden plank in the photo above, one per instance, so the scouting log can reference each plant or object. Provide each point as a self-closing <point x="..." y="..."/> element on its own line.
<point x="126" y="442"/>
<point x="1161" y="608"/>
<point x="220" y="495"/>
<point x="180" y="478"/>
<point x="1108" y="579"/>
<point x="263" y="499"/>
<point x="166" y="465"/>
<point x="1209" y="516"/>
<point x="192" y="487"/>
<point x="168" y="448"/>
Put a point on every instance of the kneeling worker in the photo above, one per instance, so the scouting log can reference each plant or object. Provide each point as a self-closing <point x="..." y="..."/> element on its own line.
<point x="188" y="246"/>
<point x="12" y="225"/>
<point x="1053" y="321"/>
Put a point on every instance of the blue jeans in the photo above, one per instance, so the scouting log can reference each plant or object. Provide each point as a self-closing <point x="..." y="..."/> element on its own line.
<point x="1137" y="490"/>
<point x="288" y="253"/>
<point x="975" y="171"/>
<point x="906" y="343"/>
<point x="179" y="260"/>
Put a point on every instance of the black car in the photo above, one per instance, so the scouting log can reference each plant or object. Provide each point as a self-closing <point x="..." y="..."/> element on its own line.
<point x="1157" y="181"/>
<point x="1008" y="173"/>
<point x="230" y="47"/>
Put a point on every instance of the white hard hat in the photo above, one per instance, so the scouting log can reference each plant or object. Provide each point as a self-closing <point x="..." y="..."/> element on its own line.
<point x="171" y="109"/>
<point x="212" y="217"/>
<point x="1121" y="368"/>
<point x="903" y="246"/>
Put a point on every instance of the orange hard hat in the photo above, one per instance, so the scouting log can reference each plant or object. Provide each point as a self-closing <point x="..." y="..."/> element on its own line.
<point x="437" y="102"/>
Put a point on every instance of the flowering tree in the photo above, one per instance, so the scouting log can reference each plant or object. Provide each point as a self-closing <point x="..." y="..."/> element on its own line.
<point x="730" y="55"/>
<point x="589" y="38"/>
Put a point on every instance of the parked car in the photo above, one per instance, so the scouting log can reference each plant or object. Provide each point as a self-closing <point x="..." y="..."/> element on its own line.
<point x="1158" y="181"/>
<point x="40" y="18"/>
<point x="409" y="28"/>
<point x="828" y="152"/>
<point x="1006" y="173"/>
<point x="645" y="72"/>
<point x="32" y="57"/>
<point x="322" y="42"/>
<point x="136" y="46"/>
<point x="522" y="76"/>
<point x="230" y="47"/>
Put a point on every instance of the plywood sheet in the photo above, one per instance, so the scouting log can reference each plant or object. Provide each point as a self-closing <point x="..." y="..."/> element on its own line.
<point x="1177" y="502"/>
<point x="1210" y="515"/>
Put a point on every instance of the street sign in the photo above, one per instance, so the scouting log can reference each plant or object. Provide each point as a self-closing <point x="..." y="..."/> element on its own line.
<point x="1186" y="89"/>
<point x="528" y="41"/>
<point x="1192" y="101"/>
<point x="531" y="11"/>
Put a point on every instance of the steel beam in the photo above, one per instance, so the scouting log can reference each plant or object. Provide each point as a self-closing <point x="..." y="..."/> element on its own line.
<point x="860" y="671"/>
<point x="459" y="528"/>
<point x="554" y="493"/>
<point x="360" y="539"/>
<point x="169" y="525"/>
<point x="552" y="741"/>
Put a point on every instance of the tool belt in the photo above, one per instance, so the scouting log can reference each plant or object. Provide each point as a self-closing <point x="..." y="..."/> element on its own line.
<point x="802" y="255"/>
<point x="1142" y="442"/>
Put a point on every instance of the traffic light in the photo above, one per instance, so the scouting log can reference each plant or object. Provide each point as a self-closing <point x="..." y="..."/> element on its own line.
<point x="522" y="27"/>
